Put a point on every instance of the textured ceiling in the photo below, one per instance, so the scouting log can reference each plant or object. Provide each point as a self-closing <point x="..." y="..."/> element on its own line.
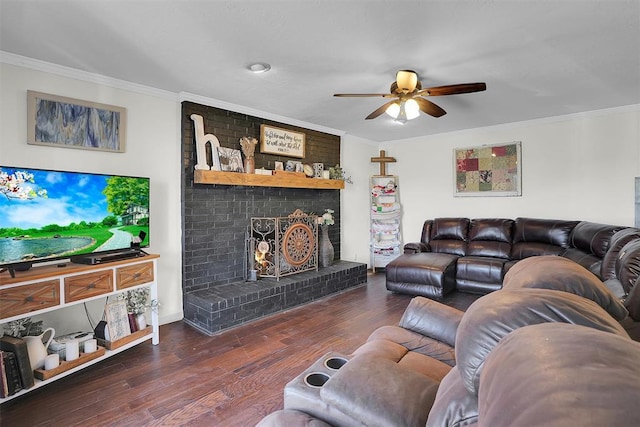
<point x="538" y="58"/>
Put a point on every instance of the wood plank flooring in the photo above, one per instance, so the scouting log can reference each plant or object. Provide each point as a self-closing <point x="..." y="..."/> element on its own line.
<point x="232" y="379"/>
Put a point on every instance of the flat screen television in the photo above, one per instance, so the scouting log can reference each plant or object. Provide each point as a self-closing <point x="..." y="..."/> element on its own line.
<point x="48" y="215"/>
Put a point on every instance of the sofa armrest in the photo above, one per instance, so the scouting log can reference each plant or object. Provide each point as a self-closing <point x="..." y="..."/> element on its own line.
<point x="415" y="247"/>
<point x="432" y="319"/>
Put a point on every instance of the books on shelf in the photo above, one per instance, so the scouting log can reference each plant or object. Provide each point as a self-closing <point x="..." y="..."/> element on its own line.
<point x="18" y="347"/>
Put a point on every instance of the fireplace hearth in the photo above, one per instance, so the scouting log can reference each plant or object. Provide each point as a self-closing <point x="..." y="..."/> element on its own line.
<point x="221" y="307"/>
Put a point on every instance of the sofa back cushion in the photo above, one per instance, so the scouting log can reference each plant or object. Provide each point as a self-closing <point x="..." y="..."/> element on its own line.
<point x="561" y="274"/>
<point x="490" y="237"/>
<point x="449" y="235"/>
<point x="592" y="238"/>
<point x="534" y="236"/>
<point x="561" y="375"/>
<point x="493" y="316"/>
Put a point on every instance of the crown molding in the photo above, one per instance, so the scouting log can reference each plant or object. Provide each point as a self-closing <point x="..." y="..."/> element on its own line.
<point x="545" y="120"/>
<point x="203" y="100"/>
<point x="60" y="70"/>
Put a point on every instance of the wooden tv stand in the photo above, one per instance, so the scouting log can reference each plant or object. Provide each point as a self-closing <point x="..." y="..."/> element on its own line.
<point x="43" y="289"/>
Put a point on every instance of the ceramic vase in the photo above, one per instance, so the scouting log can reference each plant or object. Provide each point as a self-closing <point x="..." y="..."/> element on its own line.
<point x="141" y="320"/>
<point x="325" y="248"/>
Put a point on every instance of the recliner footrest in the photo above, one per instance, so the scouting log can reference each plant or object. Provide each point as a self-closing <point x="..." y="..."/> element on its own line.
<point x="429" y="274"/>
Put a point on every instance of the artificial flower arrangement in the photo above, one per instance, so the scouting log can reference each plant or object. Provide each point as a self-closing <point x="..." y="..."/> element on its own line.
<point x="137" y="300"/>
<point x="326" y="218"/>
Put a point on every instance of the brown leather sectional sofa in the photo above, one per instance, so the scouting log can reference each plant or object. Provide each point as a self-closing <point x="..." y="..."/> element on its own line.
<point x="474" y="255"/>
<point x="547" y="349"/>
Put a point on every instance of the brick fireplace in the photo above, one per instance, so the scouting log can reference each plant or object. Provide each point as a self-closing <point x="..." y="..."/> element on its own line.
<point x="215" y="220"/>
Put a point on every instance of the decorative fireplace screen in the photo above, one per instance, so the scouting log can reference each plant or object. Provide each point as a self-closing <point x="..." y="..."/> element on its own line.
<point x="281" y="246"/>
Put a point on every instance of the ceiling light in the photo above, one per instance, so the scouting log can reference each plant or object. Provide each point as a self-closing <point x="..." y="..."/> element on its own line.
<point x="403" y="110"/>
<point x="393" y="109"/>
<point x="406" y="80"/>
<point x="259" y="67"/>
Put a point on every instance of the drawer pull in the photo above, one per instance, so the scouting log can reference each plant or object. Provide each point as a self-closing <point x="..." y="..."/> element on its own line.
<point x="29" y="298"/>
<point x="135" y="276"/>
<point x="91" y="285"/>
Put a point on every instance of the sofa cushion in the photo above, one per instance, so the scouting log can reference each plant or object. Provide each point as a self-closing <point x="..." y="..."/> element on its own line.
<point x="419" y="363"/>
<point x="561" y="375"/>
<point x="550" y="231"/>
<point x="490" y="237"/>
<point x="379" y="392"/>
<point x="416" y="342"/>
<point x="552" y="272"/>
<point x="454" y="405"/>
<point x="592" y="238"/>
<point x="588" y="261"/>
<point x="493" y="316"/>
<point x="479" y="274"/>
<point x="533" y="237"/>
<point x="449" y="235"/>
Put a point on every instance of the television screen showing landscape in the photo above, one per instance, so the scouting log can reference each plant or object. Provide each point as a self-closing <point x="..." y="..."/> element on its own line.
<point x="53" y="214"/>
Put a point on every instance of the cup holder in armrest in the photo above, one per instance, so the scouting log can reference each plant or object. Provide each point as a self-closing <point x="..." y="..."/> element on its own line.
<point x="316" y="379"/>
<point x="335" y="362"/>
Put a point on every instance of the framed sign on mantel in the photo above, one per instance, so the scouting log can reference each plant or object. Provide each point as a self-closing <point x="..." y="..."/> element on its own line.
<point x="282" y="142"/>
<point x="488" y="170"/>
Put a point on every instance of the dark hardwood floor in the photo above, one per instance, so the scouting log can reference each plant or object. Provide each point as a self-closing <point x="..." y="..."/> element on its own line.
<point x="232" y="379"/>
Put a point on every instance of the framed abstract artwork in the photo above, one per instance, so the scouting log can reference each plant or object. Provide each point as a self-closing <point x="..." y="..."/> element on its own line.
<point x="72" y="123"/>
<point x="488" y="170"/>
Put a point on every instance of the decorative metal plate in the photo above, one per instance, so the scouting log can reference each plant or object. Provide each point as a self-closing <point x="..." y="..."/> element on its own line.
<point x="298" y="244"/>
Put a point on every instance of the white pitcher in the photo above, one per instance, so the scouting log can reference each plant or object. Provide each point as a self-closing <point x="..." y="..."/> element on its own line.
<point x="37" y="349"/>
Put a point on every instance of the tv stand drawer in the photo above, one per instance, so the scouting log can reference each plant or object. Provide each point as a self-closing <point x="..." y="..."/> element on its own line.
<point x="133" y="275"/>
<point x="25" y="299"/>
<point x="89" y="285"/>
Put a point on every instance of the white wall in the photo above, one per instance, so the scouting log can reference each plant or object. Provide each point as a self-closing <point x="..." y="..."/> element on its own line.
<point x="355" y="160"/>
<point x="152" y="150"/>
<point x="573" y="167"/>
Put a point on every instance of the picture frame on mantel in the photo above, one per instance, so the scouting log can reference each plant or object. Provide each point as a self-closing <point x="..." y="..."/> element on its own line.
<point x="281" y="142"/>
<point x="58" y="121"/>
<point x="488" y="170"/>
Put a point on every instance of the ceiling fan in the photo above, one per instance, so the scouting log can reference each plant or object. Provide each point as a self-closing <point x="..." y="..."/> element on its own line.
<point x="409" y="97"/>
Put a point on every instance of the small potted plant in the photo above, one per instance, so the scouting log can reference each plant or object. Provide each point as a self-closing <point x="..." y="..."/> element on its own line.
<point x="137" y="304"/>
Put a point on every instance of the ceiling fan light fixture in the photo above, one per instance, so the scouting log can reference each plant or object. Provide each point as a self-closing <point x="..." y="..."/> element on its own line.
<point x="411" y="108"/>
<point x="407" y="80"/>
<point x="393" y="110"/>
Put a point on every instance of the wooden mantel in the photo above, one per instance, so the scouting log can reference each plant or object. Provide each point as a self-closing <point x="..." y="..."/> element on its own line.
<point x="283" y="181"/>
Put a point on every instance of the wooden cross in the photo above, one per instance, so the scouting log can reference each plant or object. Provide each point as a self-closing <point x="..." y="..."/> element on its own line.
<point x="383" y="160"/>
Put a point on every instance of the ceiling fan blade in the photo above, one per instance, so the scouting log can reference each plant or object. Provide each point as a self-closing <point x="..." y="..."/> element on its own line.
<point x="454" y="89"/>
<point x="362" y="95"/>
<point x="429" y="107"/>
<point x="379" y="111"/>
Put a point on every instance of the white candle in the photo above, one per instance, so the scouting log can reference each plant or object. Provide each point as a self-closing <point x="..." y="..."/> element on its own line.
<point x="51" y="361"/>
<point x="90" y="346"/>
<point x="72" y="350"/>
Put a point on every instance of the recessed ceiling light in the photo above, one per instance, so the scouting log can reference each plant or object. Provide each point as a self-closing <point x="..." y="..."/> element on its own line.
<point x="259" y="67"/>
